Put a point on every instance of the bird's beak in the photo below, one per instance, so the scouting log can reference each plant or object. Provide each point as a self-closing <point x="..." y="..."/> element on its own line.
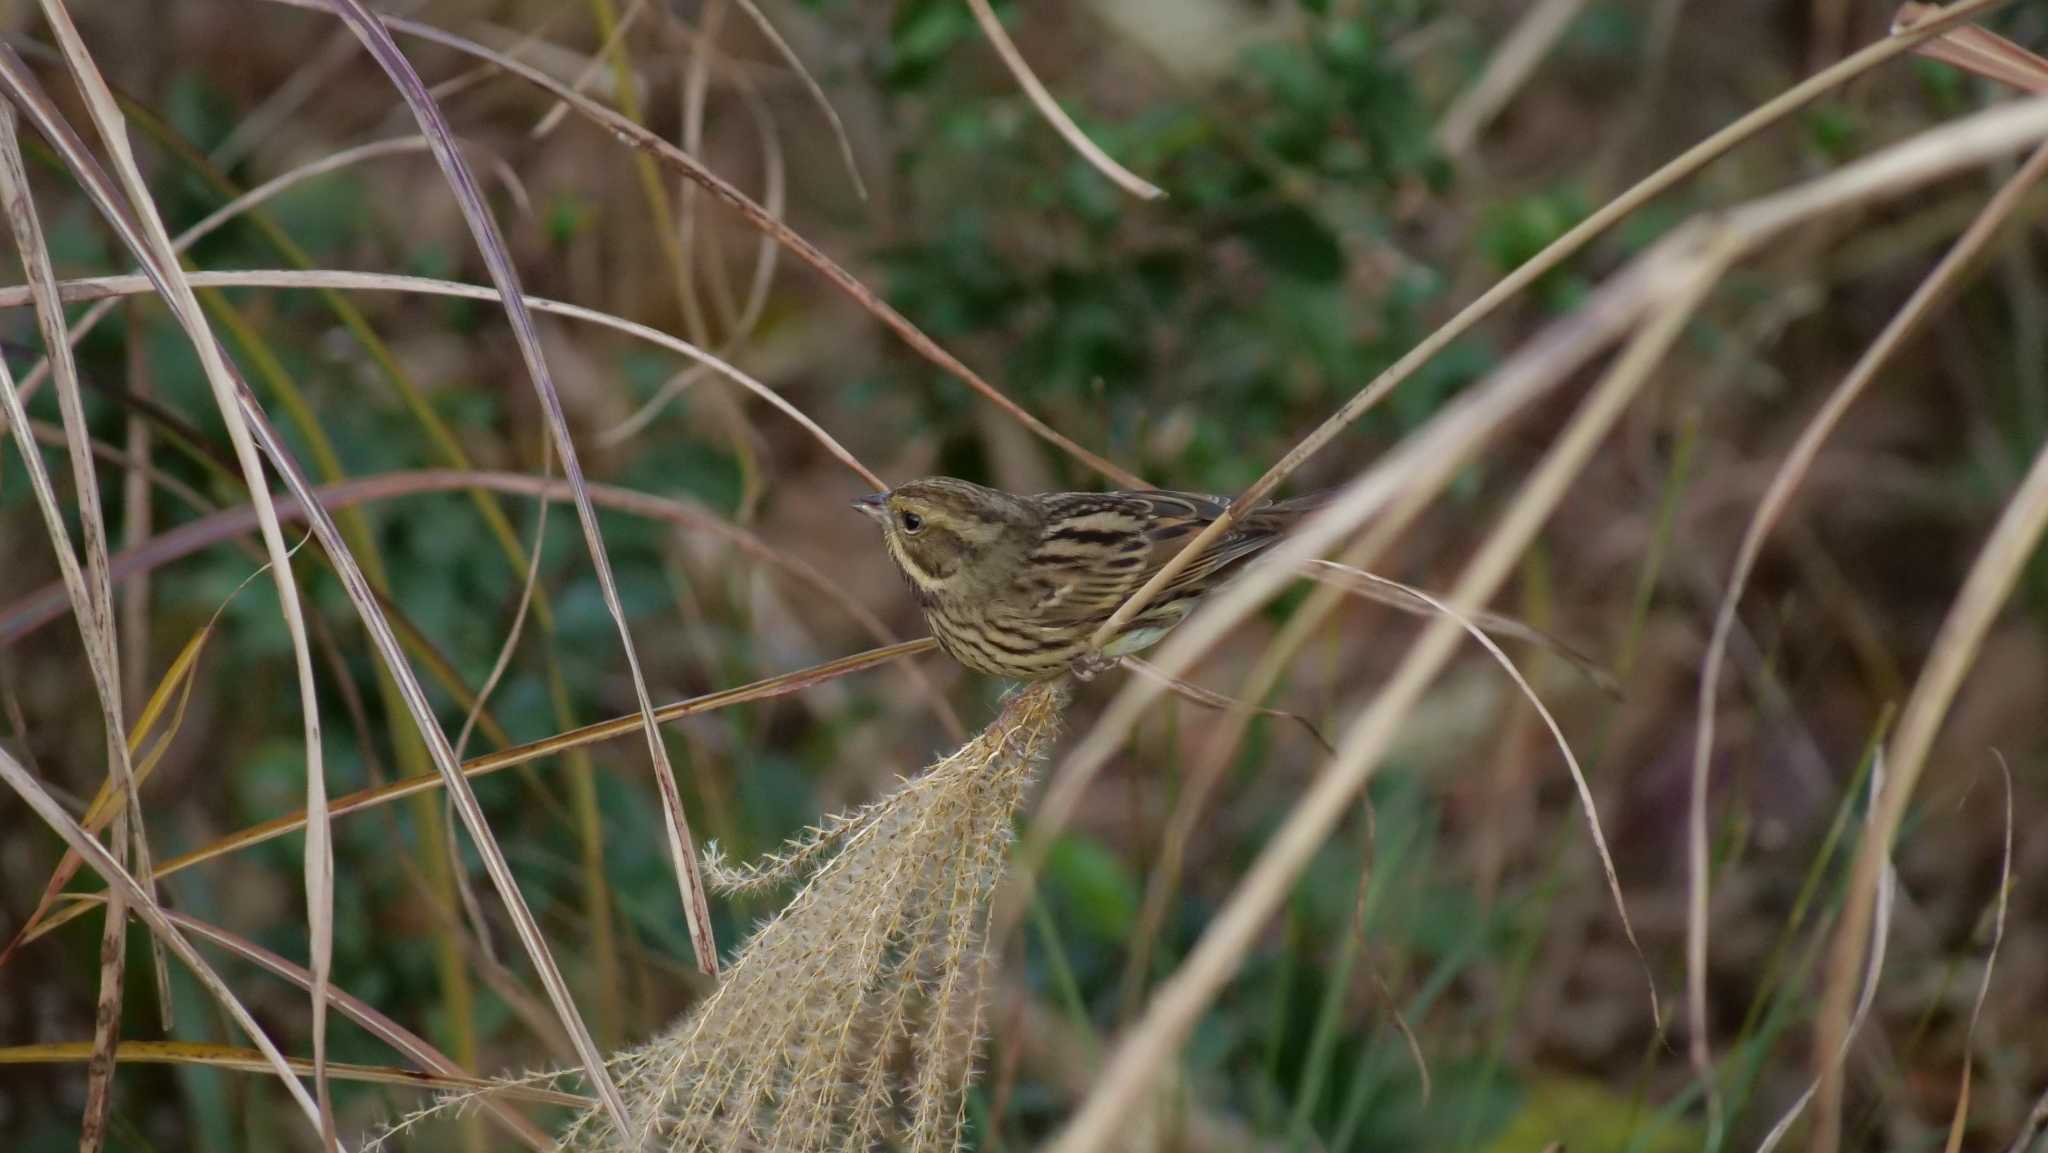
<point x="875" y="505"/>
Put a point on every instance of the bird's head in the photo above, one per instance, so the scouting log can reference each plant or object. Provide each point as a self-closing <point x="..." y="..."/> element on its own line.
<point x="945" y="534"/>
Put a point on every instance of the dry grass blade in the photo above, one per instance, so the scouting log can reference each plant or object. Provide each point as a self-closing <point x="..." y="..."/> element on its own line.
<point x="42" y="286"/>
<point x="1547" y="359"/>
<point x="255" y="1061"/>
<point x="93" y="605"/>
<point x="591" y="69"/>
<point x="1406" y="476"/>
<point x="491" y="243"/>
<point x="1930" y="292"/>
<point x="1554" y="254"/>
<point x="146" y="233"/>
<point x="1394" y="594"/>
<point x="94" y="287"/>
<point x="96" y="855"/>
<point x="1977" y="50"/>
<point x="1510" y="67"/>
<point x="1211" y="699"/>
<point x="2037" y="1118"/>
<point x="811" y="86"/>
<point x="758" y="217"/>
<point x="1679" y="269"/>
<point x="41" y="607"/>
<point x="1880" y="932"/>
<point x="111" y="805"/>
<point x="761" y="690"/>
<point x="106" y="1021"/>
<point x="1103" y="162"/>
<point x="167" y="279"/>
<point x="471" y="906"/>
<point x="407" y="1043"/>
<point x="512" y="634"/>
<point x="1991" y="578"/>
<point x="137" y="523"/>
<point x="775" y="189"/>
<point x="1148" y="1047"/>
<point x="241" y="205"/>
<point x="1571" y="761"/>
<point x="1961" y="1116"/>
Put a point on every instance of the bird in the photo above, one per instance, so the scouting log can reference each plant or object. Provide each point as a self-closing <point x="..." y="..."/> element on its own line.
<point x="1014" y="586"/>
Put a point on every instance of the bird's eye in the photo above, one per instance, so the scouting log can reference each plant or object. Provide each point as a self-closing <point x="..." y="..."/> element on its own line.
<point x="911" y="522"/>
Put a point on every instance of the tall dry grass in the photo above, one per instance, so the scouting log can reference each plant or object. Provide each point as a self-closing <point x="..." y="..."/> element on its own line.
<point x="852" y="1017"/>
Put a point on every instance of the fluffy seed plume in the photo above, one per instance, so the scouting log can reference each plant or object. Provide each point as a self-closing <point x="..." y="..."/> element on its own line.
<point x="850" y="1020"/>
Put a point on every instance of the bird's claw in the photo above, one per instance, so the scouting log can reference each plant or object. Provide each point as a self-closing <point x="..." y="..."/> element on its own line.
<point x="1087" y="665"/>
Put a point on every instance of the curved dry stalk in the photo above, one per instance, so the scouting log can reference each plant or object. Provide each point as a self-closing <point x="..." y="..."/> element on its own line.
<point x="634" y="136"/>
<point x="811" y="86"/>
<point x="1020" y="69"/>
<point x="1990" y="581"/>
<point x="526" y="588"/>
<point x="775" y="189"/>
<point x="92" y="288"/>
<point x="1408" y="599"/>
<point x="1926" y="297"/>
<point x="1472" y="628"/>
<point x="1554" y="254"/>
<point x="1961" y="1116"/>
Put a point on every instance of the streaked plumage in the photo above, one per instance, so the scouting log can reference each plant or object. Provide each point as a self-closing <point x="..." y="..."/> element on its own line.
<point x="1013" y="586"/>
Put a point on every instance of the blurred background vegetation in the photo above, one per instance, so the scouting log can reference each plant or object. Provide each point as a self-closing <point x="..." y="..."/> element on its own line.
<point x="1320" y="219"/>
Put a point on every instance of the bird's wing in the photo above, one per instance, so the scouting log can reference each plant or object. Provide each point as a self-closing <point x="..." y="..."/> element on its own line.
<point x="1099" y="549"/>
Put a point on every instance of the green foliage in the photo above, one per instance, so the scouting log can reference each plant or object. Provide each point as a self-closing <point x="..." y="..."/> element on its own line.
<point x="1195" y="332"/>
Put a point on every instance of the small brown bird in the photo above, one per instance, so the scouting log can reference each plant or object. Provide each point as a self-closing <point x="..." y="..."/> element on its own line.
<point x="1013" y="586"/>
